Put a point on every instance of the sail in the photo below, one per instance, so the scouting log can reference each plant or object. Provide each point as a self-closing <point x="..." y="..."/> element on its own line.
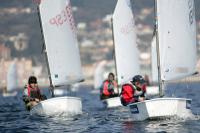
<point x="177" y="38"/>
<point x="126" y="52"/>
<point x="154" y="66"/>
<point x="61" y="42"/>
<point x="99" y="74"/>
<point x="12" y="78"/>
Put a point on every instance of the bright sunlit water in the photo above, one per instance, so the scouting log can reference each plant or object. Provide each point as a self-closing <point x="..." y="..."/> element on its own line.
<point x="95" y="118"/>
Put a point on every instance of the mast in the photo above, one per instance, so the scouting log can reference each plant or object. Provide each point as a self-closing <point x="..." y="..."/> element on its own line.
<point x="49" y="73"/>
<point x="160" y="81"/>
<point x="114" y="53"/>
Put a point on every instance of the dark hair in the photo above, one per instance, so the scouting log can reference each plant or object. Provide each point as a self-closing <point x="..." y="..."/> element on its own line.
<point x="111" y="74"/>
<point x="32" y="79"/>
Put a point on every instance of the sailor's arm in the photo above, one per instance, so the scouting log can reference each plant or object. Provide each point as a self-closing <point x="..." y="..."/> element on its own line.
<point x="25" y="97"/>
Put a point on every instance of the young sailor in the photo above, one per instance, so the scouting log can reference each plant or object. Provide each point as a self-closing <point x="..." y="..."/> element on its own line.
<point x="134" y="92"/>
<point x="108" y="88"/>
<point x="32" y="95"/>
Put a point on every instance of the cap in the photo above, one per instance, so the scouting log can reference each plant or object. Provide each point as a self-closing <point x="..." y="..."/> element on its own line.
<point x="138" y="78"/>
<point x="32" y="79"/>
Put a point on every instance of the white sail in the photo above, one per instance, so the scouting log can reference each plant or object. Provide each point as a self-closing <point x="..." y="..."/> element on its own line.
<point x="126" y="52"/>
<point x="177" y="38"/>
<point x="154" y="66"/>
<point x="99" y="74"/>
<point x="12" y="78"/>
<point x="61" y="42"/>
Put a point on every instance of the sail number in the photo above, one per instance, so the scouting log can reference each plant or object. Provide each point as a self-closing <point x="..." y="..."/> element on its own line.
<point x="191" y="12"/>
<point x="65" y="16"/>
<point x="134" y="109"/>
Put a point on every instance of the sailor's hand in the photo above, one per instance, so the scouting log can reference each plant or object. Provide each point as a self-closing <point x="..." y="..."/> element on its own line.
<point x="141" y="99"/>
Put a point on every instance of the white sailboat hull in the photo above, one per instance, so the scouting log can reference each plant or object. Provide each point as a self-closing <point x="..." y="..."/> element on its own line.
<point x="112" y="102"/>
<point x="67" y="106"/>
<point x="10" y="94"/>
<point x="161" y="108"/>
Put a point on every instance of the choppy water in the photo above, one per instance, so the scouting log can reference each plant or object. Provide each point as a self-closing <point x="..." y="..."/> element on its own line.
<point x="14" y="117"/>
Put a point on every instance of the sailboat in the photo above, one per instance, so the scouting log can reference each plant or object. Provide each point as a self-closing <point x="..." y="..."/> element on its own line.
<point x="12" y="80"/>
<point x="124" y="41"/>
<point x="176" y="56"/>
<point x="63" y="58"/>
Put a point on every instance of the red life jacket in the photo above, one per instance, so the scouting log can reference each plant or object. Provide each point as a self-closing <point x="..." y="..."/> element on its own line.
<point x="105" y="87"/>
<point x="33" y="91"/>
<point x="127" y="93"/>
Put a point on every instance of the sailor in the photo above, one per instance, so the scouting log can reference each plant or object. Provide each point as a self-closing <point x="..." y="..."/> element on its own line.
<point x="108" y="87"/>
<point x="134" y="91"/>
<point x="32" y="95"/>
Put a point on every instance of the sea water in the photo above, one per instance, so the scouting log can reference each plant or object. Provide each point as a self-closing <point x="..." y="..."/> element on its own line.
<point x="95" y="118"/>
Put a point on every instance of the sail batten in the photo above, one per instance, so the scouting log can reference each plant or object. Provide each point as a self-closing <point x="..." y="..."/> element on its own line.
<point x="177" y="38"/>
<point x="126" y="52"/>
<point x="61" y="42"/>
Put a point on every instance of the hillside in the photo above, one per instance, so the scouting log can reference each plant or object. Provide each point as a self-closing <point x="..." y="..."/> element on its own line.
<point x="12" y="24"/>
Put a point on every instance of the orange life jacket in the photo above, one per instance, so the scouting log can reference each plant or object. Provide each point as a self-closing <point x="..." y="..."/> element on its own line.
<point x="106" y="84"/>
<point x="33" y="92"/>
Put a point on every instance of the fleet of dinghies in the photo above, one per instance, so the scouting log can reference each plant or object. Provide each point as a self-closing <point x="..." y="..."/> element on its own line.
<point x="175" y="35"/>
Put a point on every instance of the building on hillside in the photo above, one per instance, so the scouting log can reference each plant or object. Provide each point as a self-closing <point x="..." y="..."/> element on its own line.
<point x="5" y="52"/>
